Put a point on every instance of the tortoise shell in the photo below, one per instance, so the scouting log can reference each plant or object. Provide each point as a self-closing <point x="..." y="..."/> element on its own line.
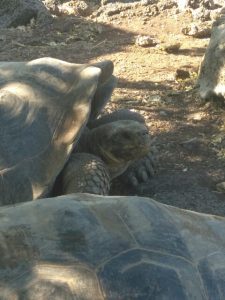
<point x="90" y="247"/>
<point x="44" y="105"/>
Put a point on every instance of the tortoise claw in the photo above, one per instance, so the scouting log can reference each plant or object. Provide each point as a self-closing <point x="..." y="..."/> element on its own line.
<point x="140" y="171"/>
<point x="133" y="180"/>
<point x="144" y="176"/>
<point x="149" y="168"/>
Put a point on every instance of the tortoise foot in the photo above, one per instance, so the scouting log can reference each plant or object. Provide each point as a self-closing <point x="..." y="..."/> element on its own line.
<point x="141" y="170"/>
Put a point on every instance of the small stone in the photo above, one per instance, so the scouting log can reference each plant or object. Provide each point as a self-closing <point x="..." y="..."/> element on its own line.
<point x="197" y="31"/>
<point x="147" y="2"/>
<point x="145" y="41"/>
<point x="201" y="14"/>
<point x="196" y="116"/>
<point x="83" y="9"/>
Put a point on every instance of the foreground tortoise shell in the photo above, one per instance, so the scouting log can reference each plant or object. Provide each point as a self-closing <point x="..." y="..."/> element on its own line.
<point x="88" y="247"/>
<point x="44" y="106"/>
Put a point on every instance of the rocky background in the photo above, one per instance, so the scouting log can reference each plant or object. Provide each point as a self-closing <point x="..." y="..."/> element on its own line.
<point x="158" y="49"/>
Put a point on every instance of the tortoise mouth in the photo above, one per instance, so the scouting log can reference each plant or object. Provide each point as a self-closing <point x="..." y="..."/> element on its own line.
<point x="109" y="157"/>
<point x="118" y="154"/>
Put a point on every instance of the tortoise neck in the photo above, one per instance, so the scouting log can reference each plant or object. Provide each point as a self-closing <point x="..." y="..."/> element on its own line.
<point x="94" y="142"/>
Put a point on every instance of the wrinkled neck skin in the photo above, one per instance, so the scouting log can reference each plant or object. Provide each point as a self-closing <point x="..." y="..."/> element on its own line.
<point x="96" y="144"/>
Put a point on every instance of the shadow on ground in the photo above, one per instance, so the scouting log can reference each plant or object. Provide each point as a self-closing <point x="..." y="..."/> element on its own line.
<point x="195" y="51"/>
<point x="189" y="168"/>
<point x="68" y="38"/>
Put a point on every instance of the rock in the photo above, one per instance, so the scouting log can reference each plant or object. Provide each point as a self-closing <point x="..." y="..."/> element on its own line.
<point x="148" y="2"/>
<point x="211" y="78"/>
<point x="154" y="11"/>
<point x="166" y="4"/>
<point x="80" y="8"/>
<point x="198" y="31"/>
<point x="21" y="12"/>
<point x="218" y="3"/>
<point x="145" y="41"/>
<point x="128" y="8"/>
<point x="195" y="117"/>
<point x="201" y="13"/>
<point x="182" y="4"/>
<point x="216" y="14"/>
<point x="195" y="4"/>
<point x="83" y="8"/>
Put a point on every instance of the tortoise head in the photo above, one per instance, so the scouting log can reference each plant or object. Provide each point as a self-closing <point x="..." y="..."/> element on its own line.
<point x="121" y="141"/>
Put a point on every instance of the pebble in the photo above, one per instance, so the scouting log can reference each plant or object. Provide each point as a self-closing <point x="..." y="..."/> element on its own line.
<point x="145" y="41"/>
<point x="197" y="31"/>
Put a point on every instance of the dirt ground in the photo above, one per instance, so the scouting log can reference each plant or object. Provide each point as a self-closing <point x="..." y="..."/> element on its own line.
<point x="188" y="132"/>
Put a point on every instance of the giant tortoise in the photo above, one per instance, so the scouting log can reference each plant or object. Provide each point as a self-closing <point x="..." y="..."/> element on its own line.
<point x="90" y="247"/>
<point x="46" y="106"/>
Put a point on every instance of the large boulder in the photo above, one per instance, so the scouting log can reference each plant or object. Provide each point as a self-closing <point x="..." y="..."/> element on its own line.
<point x="212" y="71"/>
<point x="15" y="13"/>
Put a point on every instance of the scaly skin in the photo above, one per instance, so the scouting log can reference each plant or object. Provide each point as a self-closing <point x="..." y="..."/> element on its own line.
<point x="85" y="173"/>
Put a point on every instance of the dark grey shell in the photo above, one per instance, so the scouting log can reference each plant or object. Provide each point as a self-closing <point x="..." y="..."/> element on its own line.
<point x="87" y="247"/>
<point x="44" y="105"/>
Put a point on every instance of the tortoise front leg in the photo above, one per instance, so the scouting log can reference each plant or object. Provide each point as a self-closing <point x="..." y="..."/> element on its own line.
<point x="84" y="173"/>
